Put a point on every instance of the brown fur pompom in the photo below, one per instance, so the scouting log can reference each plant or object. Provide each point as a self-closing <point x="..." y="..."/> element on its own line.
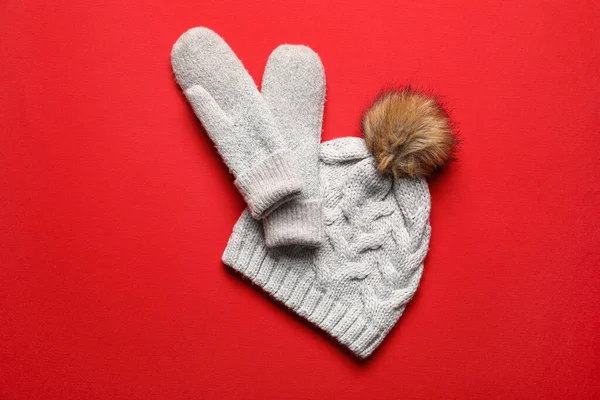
<point x="409" y="133"/>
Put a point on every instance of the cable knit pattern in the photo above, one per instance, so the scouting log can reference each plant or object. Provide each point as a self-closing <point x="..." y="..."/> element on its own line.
<point x="357" y="284"/>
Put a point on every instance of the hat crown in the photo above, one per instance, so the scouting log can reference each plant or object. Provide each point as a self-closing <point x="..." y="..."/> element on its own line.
<point x="377" y="231"/>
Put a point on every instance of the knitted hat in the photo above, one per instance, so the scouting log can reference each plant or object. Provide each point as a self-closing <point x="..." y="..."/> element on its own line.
<point x="357" y="284"/>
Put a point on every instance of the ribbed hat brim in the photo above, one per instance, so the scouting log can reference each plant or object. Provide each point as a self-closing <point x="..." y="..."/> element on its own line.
<point x="296" y="287"/>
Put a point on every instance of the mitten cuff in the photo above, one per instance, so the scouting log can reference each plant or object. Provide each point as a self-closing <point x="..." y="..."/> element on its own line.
<point x="299" y="222"/>
<point x="270" y="183"/>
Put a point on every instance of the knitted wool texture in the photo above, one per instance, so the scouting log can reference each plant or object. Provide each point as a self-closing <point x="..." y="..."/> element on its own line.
<point x="357" y="284"/>
<point x="294" y="88"/>
<point x="237" y="119"/>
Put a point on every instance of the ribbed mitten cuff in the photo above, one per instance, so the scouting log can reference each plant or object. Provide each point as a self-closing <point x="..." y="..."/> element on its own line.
<point x="270" y="183"/>
<point x="299" y="222"/>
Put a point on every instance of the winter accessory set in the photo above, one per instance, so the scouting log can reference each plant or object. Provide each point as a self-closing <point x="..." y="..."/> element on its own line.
<point x="337" y="231"/>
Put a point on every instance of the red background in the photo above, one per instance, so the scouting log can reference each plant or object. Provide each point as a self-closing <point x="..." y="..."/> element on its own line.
<point x="115" y="208"/>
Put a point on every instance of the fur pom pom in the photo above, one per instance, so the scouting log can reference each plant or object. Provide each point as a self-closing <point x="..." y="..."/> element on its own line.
<point x="409" y="133"/>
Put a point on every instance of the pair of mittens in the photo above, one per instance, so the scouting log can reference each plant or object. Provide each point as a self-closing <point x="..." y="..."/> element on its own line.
<point x="269" y="140"/>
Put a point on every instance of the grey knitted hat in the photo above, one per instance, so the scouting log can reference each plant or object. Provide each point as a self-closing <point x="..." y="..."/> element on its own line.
<point x="357" y="284"/>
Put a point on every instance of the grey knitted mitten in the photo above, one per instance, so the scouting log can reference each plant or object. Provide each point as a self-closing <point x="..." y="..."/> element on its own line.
<point x="294" y="88"/>
<point x="237" y="119"/>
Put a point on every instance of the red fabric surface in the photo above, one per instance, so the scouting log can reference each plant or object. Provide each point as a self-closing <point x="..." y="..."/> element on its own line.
<point x="115" y="207"/>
